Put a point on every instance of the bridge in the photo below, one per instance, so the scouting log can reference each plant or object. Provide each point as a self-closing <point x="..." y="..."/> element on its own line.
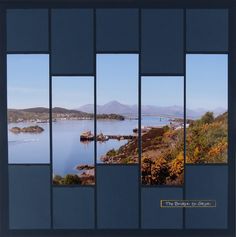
<point x="155" y="115"/>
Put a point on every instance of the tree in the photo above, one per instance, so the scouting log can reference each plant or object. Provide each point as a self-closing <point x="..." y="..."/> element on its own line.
<point x="208" y="117"/>
<point x="57" y="179"/>
<point x="72" y="179"/>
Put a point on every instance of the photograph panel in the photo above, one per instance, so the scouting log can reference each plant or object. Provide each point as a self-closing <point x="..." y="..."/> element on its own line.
<point x="73" y="156"/>
<point x="207" y="109"/>
<point x="162" y="130"/>
<point x="28" y="108"/>
<point x="117" y="109"/>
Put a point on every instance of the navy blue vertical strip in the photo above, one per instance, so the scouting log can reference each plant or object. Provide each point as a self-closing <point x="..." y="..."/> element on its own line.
<point x="140" y="117"/>
<point x="4" y="216"/>
<point x="185" y="131"/>
<point x="231" y="152"/>
<point x="50" y="114"/>
<point x="231" y="116"/>
<point x="95" y="116"/>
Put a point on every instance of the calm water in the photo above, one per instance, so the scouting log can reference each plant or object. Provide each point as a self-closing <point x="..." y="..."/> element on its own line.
<point x="68" y="151"/>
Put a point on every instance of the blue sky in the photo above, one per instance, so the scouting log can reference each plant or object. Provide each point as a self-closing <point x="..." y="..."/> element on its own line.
<point x="117" y="79"/>
<point x="27" y="81"/>
<point x="71" y="92"/>
<point x="162" y="91"/>
<point x="207" y="81"/>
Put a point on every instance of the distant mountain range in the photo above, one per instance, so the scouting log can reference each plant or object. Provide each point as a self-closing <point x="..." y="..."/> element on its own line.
<point x="111" y="110"/>
<point x="132" y="110"/>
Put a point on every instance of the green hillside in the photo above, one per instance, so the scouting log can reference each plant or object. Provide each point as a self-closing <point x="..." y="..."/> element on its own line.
<point x="162" y="149"/>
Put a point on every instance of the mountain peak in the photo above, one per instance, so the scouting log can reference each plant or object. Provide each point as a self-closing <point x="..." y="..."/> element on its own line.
<point x="115" y="107"/>
<point x="113" y="102"/>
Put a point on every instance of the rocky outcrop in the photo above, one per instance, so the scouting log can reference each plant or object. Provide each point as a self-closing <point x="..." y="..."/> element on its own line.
<point x="85" y="167"/>
<point x="30" y="129"/>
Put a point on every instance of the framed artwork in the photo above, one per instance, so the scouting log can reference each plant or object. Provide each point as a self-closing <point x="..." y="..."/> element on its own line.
<point x="117" y="118"/>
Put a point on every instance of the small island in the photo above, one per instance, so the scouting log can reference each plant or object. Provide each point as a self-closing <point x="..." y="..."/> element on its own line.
<point x="30" y="129"/>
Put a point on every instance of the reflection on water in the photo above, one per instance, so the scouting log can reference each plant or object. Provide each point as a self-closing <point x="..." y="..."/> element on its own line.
<point x="68" y="151"/>
<point x="28" y="147"/>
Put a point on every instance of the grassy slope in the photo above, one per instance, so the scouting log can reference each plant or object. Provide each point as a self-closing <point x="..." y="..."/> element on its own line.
<point x="162" y="149"/>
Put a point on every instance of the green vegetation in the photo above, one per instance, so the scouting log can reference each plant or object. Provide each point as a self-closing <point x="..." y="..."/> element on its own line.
<point x="207" y="140"/>
<point x="162" y="156"/>
<point x="162" y="149"/>
<point x="112" y="152"/>
<point x="68" y="179"/>
<point x="71" y="179"/>
<point x="127" y="153"/>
